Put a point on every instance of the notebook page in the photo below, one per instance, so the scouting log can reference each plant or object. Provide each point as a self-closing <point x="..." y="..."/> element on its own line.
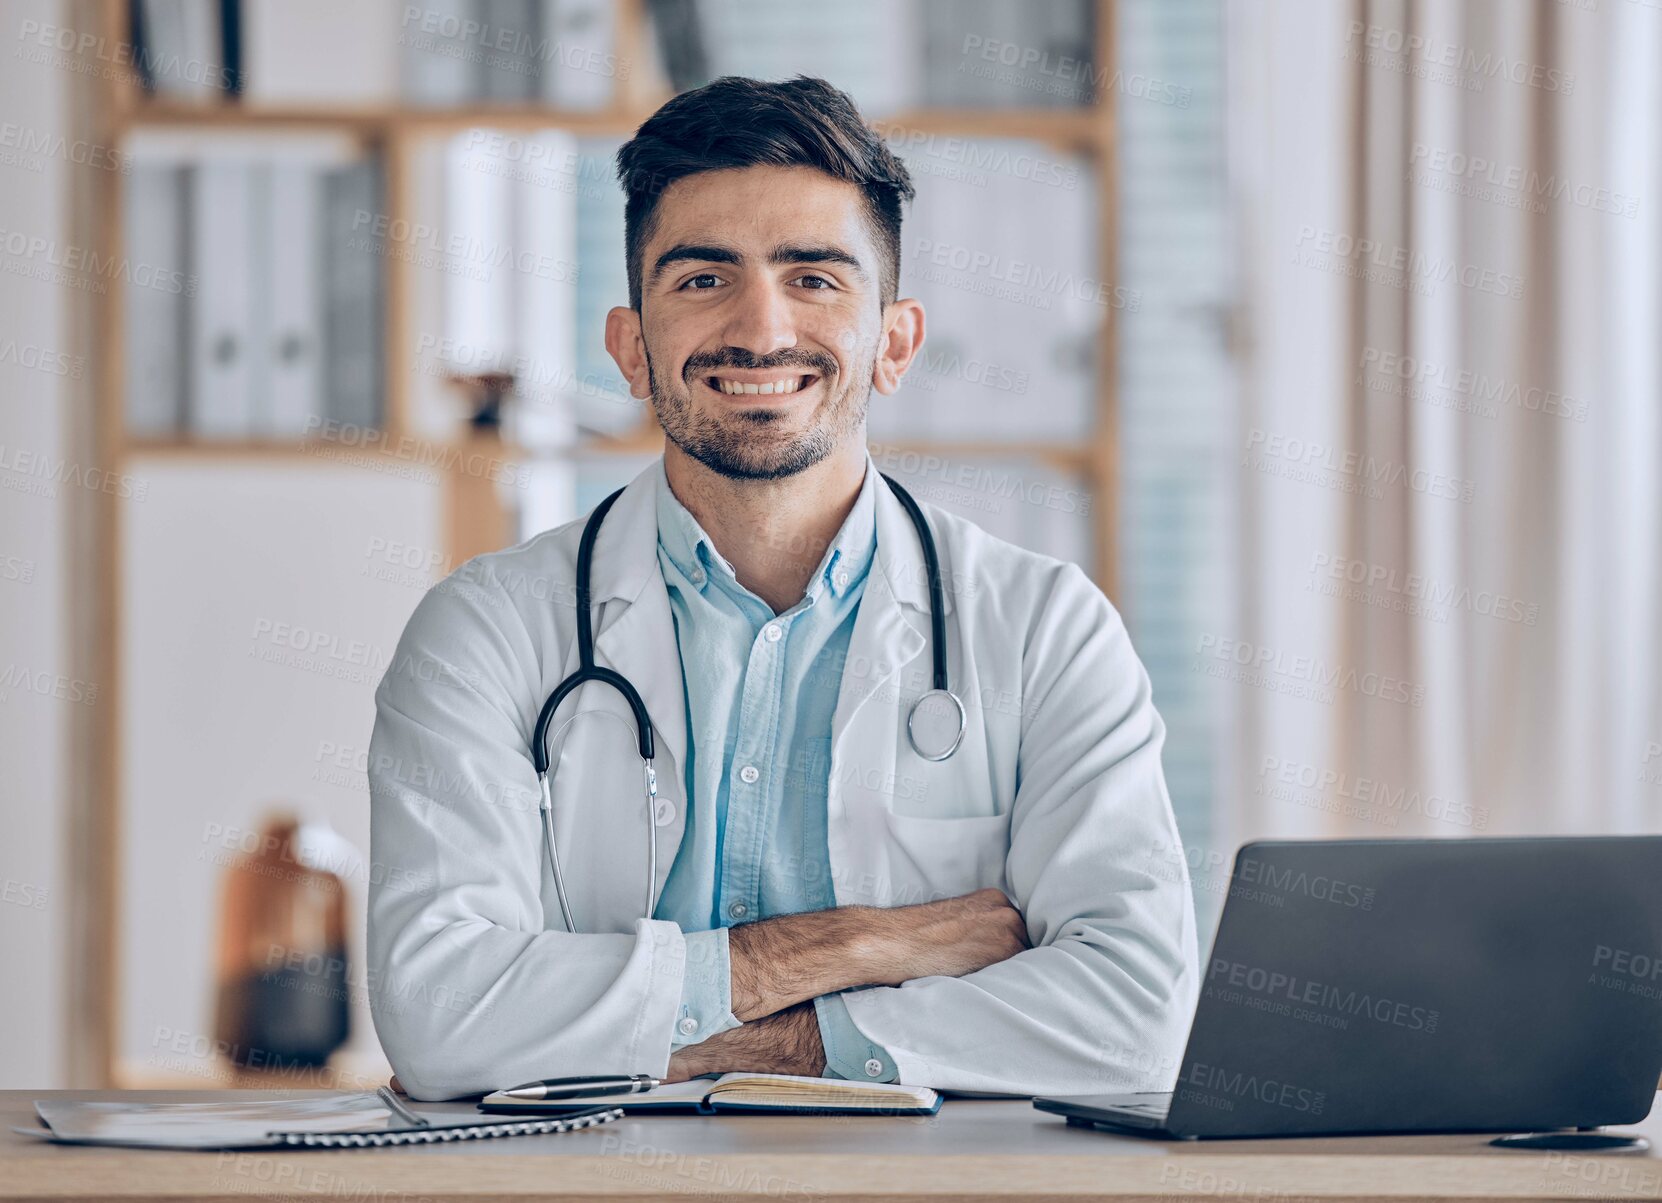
<point x="790" y="1089"/>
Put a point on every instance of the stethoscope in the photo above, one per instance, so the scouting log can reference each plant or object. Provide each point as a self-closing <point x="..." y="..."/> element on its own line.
<point x="934" y="726"/>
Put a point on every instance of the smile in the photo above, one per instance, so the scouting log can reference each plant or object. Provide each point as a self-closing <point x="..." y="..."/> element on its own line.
<point x="736" y="387"/>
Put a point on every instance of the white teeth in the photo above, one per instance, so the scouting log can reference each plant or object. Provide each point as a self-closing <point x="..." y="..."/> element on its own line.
<point x="736" y="388"/>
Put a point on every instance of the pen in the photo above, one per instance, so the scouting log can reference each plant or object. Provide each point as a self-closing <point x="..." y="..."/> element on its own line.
<point x="400" y="1110"/>
<point x="571" y="1088"/>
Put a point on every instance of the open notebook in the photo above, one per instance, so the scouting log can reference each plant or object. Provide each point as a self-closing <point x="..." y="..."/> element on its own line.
<point x="744" y="1092"/>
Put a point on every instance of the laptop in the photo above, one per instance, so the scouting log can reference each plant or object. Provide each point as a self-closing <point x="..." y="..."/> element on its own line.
<point x="1377" y="986"/>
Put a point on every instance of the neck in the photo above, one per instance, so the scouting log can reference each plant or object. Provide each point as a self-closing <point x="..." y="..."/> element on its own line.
<point x="773" y="532"/>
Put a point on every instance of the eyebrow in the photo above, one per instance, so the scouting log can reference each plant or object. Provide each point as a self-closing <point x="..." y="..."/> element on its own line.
<point x="684" y="252"/>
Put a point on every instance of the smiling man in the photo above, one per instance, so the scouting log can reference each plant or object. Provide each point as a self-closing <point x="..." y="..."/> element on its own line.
<point x="817" y="886"/>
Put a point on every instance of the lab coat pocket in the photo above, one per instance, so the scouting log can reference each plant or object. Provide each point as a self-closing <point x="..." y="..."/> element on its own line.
<point x="942" y="858"/>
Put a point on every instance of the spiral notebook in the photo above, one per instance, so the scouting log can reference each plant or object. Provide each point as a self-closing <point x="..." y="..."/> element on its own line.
<point x="351" y="1121"/>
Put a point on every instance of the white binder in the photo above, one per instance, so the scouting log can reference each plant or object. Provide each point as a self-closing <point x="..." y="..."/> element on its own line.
<point x="221" y="392"/>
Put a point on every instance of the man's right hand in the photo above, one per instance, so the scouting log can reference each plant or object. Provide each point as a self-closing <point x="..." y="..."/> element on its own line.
<point x="779" y="962"/>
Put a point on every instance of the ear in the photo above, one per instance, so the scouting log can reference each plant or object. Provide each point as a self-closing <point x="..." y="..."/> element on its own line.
<point x="627" y="348"/>
<point x="901" y="339"/>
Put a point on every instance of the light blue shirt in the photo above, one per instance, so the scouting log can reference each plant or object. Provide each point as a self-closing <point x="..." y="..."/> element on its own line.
<point x="761" y="692"/>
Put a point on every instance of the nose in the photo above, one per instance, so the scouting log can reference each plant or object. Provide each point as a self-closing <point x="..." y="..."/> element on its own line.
<point x="759" y="319"/>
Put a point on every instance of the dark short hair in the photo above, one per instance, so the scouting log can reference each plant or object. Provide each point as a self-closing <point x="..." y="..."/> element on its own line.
<point x="737" y="122"/>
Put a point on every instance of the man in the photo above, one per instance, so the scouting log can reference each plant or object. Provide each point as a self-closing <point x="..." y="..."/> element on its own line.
<point x="1015" y="917"/>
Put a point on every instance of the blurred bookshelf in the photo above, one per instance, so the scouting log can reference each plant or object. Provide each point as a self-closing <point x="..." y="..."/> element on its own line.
<point x="334" y="359"/>
<point x="1070" y="119"/>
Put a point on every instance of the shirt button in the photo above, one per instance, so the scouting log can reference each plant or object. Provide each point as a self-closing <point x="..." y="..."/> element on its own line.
<point x="664" y="813"/>
<point x="739" y="910"/>
<point x="840" y="580"/>
<point x="688" y="1026"/>
<point x="773" y="633"/>
<point x="874" y="1068"/>
<point x="748" y="774"/>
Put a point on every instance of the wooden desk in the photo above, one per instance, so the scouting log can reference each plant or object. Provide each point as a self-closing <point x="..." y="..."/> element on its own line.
<point x="972" y="1149"/>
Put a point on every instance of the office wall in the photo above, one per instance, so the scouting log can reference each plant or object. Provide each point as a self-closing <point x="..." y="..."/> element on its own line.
<point x="255" y="631"/>
<point x="34" y="727"/>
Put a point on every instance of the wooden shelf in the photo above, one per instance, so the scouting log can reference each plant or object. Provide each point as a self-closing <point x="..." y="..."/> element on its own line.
<point x="1078" y="128"/>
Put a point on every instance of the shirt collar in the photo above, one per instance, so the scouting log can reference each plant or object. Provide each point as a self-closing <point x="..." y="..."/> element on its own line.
<point x="842" y="569"/>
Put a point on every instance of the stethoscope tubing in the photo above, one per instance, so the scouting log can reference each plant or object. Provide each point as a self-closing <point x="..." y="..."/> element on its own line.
<point x="588" y="671"/>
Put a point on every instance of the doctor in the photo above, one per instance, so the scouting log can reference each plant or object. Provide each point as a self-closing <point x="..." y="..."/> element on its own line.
<point x="1013" y="916"/>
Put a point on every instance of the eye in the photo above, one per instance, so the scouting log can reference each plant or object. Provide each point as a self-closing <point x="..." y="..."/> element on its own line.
<point x="815" y="282"/>
<point x="703" y="282"/>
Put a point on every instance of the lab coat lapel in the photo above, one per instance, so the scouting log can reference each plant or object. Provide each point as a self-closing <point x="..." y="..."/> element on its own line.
<point x="635" y="636"/>
<point x="894" y="614"/>
<point x="634" y="629"/>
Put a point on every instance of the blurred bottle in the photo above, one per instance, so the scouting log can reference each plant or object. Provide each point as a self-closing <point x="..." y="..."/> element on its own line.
<point x="282" y="968"/>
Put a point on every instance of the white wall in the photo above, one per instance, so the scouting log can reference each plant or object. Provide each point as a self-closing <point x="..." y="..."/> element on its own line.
<point x="33" y="728"/>
<point x="262" y="601"/>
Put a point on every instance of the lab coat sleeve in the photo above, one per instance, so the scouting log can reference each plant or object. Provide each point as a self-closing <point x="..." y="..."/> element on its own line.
<point x="468" y="991"/>
<point x="1102" y="1001"/>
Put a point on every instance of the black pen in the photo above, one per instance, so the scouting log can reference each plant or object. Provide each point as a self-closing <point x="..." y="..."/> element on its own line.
<point x="571" y="1088"/>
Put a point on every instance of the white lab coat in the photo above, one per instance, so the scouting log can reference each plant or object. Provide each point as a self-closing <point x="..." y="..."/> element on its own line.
<point x="1056" y="795"/>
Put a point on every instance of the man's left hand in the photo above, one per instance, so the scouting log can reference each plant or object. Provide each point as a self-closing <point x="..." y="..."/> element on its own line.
<point x="786" y="1042"/>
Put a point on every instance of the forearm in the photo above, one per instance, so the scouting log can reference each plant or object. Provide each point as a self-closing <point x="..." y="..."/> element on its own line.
<point x="781" y="962"/>
<point x="785" y="1043"/>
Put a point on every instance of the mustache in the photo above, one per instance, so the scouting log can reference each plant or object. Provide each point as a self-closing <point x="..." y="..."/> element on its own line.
<point x="737" y="357"/>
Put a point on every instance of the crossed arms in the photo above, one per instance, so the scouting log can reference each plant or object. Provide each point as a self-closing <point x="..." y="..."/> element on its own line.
<point x="779" y="966"/>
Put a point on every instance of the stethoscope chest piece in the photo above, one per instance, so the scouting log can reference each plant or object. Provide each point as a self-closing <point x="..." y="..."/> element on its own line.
<point x="936" y="724"/>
